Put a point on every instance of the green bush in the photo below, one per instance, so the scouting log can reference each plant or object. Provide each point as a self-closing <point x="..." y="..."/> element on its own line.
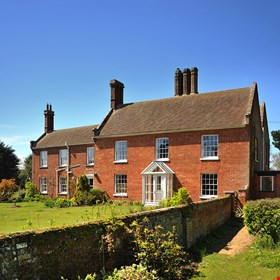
<point x="133" y="272"/>
<point x="30" y="191"/>
<point x="58" y="202"/>
<point x="262" y="217"/>
<point x="179" y="198"/>
<point x="17" y="196"/>
<point x="158" y="250"/>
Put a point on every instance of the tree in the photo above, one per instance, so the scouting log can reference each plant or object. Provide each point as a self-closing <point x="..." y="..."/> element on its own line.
<point x="25" y="173"/>
<point x="8" y="162"/>
<point x="275" y="161"/>
<point x="276" y="138"/>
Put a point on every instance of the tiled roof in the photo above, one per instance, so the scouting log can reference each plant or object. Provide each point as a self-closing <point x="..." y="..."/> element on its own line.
<point x="213" y="110"/>
<point x="73" y="136"/>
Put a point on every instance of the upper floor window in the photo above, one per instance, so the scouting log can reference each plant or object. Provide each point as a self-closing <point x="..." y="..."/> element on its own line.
<point x="63" y="157"/>
<point x="121" y="151"/>
<point x="44" y="159"/>
<point x="90" y="156"/>
<point x="209" y="146"/>
<point x="162" y="148"/>
<point x="120" y="185"/>
<point x="267" y="183"/>
<point x="62" y="185"/>
<point x="43" y="185"/>
<point x="209" y="185"/>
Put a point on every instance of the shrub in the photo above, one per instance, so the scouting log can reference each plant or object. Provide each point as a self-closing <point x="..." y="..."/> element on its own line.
<point x="133" y="272"/>
<point x="50" y="203"/>
<point x="7" y="189"/>
<point x="17" y="196"/>
<point x="30" y="191"/>
<point x="59" y="202"/>
<point x="179" y="198"/>
<point x="262" y="217"/>
<point x="158" y="250"/>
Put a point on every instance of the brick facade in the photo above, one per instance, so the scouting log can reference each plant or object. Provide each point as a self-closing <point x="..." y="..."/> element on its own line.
<point x="235" y="116"/>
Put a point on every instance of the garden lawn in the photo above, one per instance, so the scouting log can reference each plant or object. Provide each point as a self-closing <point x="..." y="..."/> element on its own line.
<point x="34" y="215"/>
<point x="249" y="265"/>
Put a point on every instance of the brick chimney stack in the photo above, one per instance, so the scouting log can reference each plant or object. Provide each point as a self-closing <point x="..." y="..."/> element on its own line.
<point x="49" y="119"/>
<point x="186" y="81"/>
<point x="178" y="82"/>
<point x="116" y="94"/>
<point x="194" y="80"/>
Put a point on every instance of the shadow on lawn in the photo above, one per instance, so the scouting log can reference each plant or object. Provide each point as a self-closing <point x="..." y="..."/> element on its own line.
<point x="216" y="240"/>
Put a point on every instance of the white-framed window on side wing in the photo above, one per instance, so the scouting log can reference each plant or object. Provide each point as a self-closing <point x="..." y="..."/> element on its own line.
<point x="43" y="159"/>
<point x="120" y="151"/>
<point x="210" y="147"/>
<point x="162" y="149"/>
<point x="90" y="156"/>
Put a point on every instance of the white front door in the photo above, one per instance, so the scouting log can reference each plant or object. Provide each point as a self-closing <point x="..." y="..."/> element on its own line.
<point x="155" y="188"/>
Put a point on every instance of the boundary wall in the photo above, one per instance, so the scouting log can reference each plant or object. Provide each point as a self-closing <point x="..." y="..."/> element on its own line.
<point x="78" y="250"/>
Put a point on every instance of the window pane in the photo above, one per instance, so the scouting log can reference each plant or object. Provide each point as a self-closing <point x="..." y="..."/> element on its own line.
<point x="209" y="146"/>
<point x="267" y="183"/>
<point x="63" y="157"/>
<point x="121" y="150"/>
<point x="43" y="184"/>
<point x="209" y="184"/>
<point x="62" y="185"/>
<point x="162" y="148"/>
<point x="44" y="159"/>
<point x="90" y="155"/>
<point x="121" y="183"/>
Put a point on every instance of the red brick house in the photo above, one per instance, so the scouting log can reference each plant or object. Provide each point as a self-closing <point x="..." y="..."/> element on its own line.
<point x="209" y="143"/>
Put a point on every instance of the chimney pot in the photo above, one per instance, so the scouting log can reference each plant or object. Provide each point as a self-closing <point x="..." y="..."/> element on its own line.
<point x="178" y="82"/>
<point x="186" y="81"/>
<point x="194" y="80"/>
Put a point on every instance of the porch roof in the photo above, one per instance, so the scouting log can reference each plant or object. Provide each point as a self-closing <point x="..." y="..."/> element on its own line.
<point x="157" y="166"/>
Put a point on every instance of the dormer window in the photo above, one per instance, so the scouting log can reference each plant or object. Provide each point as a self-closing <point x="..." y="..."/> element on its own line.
<point x="162" y="145"/>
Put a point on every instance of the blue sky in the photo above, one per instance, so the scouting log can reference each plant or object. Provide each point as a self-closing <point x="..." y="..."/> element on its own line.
<point x="65" y="52"/>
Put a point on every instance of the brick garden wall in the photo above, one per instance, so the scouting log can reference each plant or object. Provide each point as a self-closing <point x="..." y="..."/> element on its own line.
<point x="77" y="250"/>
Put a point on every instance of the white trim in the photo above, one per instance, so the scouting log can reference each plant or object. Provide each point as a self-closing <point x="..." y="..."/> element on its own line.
<point x="202" y="148"/>
<point x="45" y="157"/>
<point x="156" y="153"/>
<point x="119" y="149"/>
<point x="120" y="194"/>
<point x="120" y="161"/>
<point x="88" y="149"/>
<point x="209" y="158"/>
<point x="208" y="196"/>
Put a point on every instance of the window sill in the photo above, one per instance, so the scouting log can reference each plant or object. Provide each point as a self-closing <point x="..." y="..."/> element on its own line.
<point x="62" y="193"/>
<point x="121" y="161"/>
<point x="44" y="193"/>
<point x="267" y="191"/>
<point x="162" y="159"/>
<point x="120" y="194"/>
<point x="210" y="159"/>
<point x="43" y="167"/>
<point x="205" y="197"/>
<point x="90" y="165"/>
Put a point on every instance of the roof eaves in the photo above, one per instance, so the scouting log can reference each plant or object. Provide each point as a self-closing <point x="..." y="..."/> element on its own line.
<point x="167" y="131"/>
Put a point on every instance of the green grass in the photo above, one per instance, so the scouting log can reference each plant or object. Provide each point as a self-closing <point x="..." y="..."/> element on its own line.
<point x="34" y="215"/>
<point x="253" y="263"/>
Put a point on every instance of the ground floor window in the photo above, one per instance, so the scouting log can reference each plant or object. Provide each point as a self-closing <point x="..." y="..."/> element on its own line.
<point x="209" y="185"/>
<point x="121" y="184"/>
<point x="90" y="178"/>
<point x="267" y="183"/>
<point x="62" y="185"/>
<point x="43" y="185"/>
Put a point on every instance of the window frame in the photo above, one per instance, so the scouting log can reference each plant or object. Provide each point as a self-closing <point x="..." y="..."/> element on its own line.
<point x="210" y="157"/>
<point x="272" y="183"/>
<point x="43" y="159"/>
<point x="202" y="189"/>
<point x="45" y="189"/>
<point x="120" y="151"/>
<point x="118" y="180"/>
<point x="60" y="184"/>
<point x="90" y="177"/>
<point x="159" y="150"/>
<point x="61" y="158"/>
<point x="89" y="156"/>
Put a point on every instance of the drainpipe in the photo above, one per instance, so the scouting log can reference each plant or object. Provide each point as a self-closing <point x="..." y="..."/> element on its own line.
<point x="68" y="170"/>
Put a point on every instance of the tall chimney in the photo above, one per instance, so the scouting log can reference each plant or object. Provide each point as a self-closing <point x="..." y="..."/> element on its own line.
<point x="194" y="80"/>
<point x="116" y="94"/>
<point x="49" y="119"/>
<point x="186" y="81"/>
<point x="178" y="82"/>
